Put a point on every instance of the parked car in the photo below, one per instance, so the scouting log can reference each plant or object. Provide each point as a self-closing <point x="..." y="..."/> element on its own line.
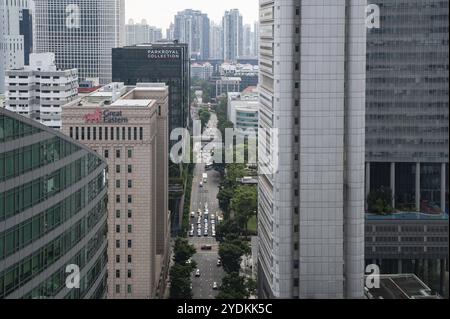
<point x="219" y="263"/>
<point x="197" y="273"/>
<point x="192" y="214"/>
<point x="215" y="286"/>
<point x="191" y="233"/>
<point x="206" y="247"/>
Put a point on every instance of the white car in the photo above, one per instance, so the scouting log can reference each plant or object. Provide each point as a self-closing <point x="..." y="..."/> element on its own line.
<point x="192" y="214"/>
<point x="199" y="233"/>
<point x="215" y="286"/>
<point x="191" y="233"/>
<point x="197" y="273"/>
<point x="213" y="221"/>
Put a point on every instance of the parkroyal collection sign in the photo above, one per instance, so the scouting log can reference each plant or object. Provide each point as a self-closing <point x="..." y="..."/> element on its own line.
<point x="106" y="117"/>
<point x="163" y="54"/>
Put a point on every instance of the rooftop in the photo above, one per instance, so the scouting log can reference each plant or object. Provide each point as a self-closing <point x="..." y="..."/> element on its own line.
<point x="407" y="286"/>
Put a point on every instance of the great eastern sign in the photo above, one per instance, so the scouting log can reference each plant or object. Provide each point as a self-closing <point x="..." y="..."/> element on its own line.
<point x="163" y="54"/>
<point x="108" y="117"/>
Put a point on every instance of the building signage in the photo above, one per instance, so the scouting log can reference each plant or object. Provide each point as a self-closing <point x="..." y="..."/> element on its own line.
<point x="163" y="54"/>
<point x="108" y="117"/>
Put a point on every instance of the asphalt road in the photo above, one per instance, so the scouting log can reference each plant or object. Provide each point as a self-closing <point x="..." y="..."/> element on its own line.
<point x="206" y="260"/>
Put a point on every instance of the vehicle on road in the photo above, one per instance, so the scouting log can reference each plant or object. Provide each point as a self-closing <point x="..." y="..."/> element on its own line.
<point x="197" y="273"/>
<point x="206" y="247"/>
<point x="192" y="214"/>
<point x="199" y="233"/>
<point x="189" y="261"/>
<point x="201" y="184"/>
<point x="191" y="233"/>
<point x="215" y="286"/>
<point x="205" y="178"/>
<point x="219" y="263"/>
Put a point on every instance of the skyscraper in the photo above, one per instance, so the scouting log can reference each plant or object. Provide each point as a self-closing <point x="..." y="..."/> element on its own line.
<point x="311" y="202"/>
<point x="16" y="36"/>
<point x="215" y="41"/>
<point x="232" y="30"/>
<point x="128" y="127"/>
<point x="247" y="41"/>
<point x="81" y="33"/>
<point x="59" y="224"/>
<point x="407" y="104"/>
<point x="139" y="33"/>
<point x="192" y="27"/>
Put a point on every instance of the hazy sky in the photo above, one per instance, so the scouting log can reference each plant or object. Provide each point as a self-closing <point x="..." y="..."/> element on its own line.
<point x="160" y="13"/>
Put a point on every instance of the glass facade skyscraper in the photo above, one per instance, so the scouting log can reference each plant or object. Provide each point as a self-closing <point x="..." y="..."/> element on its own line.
<point x="53" y="211"/>
<point x="407" y="104"/>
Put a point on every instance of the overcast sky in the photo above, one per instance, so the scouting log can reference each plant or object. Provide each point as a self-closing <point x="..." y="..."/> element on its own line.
<point x="160" y="13"/>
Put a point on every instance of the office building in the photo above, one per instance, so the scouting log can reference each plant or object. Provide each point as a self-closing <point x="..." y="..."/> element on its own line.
<point x="409" y="242"/>
<point x="163" y="62"/>
<point x="248" y="73"/>
<point x="192" y="27"/>
<point x="39" y="90"/>
<point x="81" y="33"/>
<point x="139" y="33"/>
<point x="128" y="127"/>
<point x="226" y="84"/>
<point x="243" y="109"/>
<point x="16" y="36"/>
<point x="203" y="71"/>
<point x="53" y="200"/>
<point x="407" y="104"/>
<point x="311" y="186"/>
<point x="255" y="42"/>
<point x="232" y="35"/>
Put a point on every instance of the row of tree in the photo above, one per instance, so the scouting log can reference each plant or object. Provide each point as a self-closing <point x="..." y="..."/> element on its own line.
<point x="181" y="271"/>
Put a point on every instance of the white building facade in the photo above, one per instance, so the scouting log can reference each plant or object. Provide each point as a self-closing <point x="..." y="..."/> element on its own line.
<point x="39" y="91"/>
<point x="311" y="202"/>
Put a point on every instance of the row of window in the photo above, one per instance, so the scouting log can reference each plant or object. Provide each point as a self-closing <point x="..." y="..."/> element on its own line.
<point x="106" y="133"/>
<point x="25" y="233"/>
<point x="17" y="200"/>
<point x="12" y="129"/>
<point x="28" y="158"/>
<point x="28" y="268"/>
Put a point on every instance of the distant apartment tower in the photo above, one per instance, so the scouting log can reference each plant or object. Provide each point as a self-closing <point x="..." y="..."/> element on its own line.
<point x="139" y="33"/>
<point x="247" y="41"/>
<point x="311" y="201"/>
<point x="163" y="62"/>
<point x="215" y="41"/>
<point x="16" y="36"/>
<point x="255" y="42"/>
<point x="232" y="35"/>
<point x="81" y="33"/>
<point x="60" y="219"/>
<point x="39" y="90"/>
<point x="128" y="127"/>
<point x="407" y="104"/>
<point x="192" y="27"/>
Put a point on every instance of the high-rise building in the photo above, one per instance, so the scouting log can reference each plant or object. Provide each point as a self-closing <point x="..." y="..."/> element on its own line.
<point x="255" y="42"/>
<point x="311" y="196"/>
<point x="53" y="205"/>
<point x="215" y="41"/>
<point x="202" y="71"/>
<point x="81" y="33"/>
<point x="170" y="32"/>
<point x="140" y="33"/>
<point x="247" y="41"/>
<point x="16" y="36"/>
<point x="128" y="126"/>
<point x="163" y="62"/>
<point x="192" y="27"/>
<point x="407" y="104"/>
<point x="39" y="90"/>
<point x="232" y="35"/>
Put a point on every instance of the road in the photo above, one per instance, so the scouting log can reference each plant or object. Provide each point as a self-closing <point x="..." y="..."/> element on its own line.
<point x="202" y="286"/>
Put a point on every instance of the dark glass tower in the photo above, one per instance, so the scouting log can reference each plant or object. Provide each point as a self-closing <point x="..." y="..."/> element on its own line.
<point x="53" y="210"/>
<point x="407" y="104"/>
<point x="165" y="62"/>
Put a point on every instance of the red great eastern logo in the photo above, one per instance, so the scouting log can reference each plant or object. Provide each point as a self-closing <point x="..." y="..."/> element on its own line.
<point x="115" y="117"/>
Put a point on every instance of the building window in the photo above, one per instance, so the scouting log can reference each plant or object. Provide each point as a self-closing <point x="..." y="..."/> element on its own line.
<point x="135" y="133"/>
<point x="118" y="229"/>
<point x="118" y="169"/>
<point x="123" y="134"/>
<point x="117" y="273"/>
<point x="130" y="153"/>
<point x="130" y="184"/>
<point x="130" y="229"/>
<point x="118" y="133"/>
<point x="129" y="133"/>
<point x="94" y="133"/>
<point x="82" y="133"/>
<point x="118" y="183"/>
<point x="117" y="153"/>
<point x="118" y="214"/>
<point x="130" y="244"/>
<point x="130" y="260"/>
<point x="77" y="133"/>
<point x="117" y="289"/>
<point x="106" y="153"/>
<point x="118" y="199"/>
<point x="141" y="133"/>
<point x="100" y="133"/>
<point x="130" y="213"/>
<point x="118" y="259"/>
<point x="89" y="133"/>
<point x="129" y="273"/>
<point x="130" y="169"/>
<point x="117" y="244"/>
<point x="130" y="199"/>
<point x="71" y="132"/>
<point x="130" y="289"/>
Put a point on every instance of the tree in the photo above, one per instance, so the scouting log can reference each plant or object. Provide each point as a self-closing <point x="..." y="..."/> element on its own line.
<point x="180" y="282"/>
<point x="231" y="253"/>
<point x="229" y="230"/>
<point x="235" y="287"/>
<point x="183" y="251"/>
<point x="244" y="204"/>
<point x="204" y="116"/>
<point x="380" y="201"/>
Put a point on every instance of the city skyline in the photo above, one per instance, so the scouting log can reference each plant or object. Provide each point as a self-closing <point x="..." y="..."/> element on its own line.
<point x="134" y="9"/>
